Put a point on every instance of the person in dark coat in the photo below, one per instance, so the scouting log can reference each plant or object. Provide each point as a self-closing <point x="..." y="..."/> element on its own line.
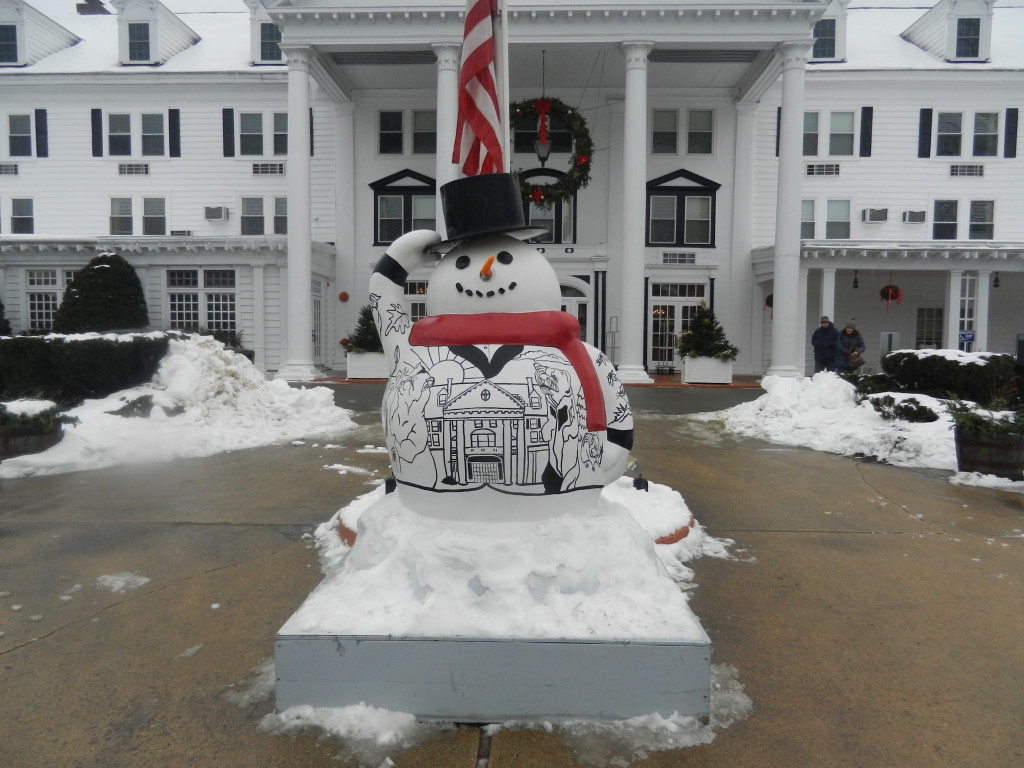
<point x="824" y="340"/>
<point x="851" y="344"/>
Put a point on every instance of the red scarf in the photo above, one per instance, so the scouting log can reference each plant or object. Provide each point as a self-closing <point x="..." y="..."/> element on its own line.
<point x="541" y="329"/>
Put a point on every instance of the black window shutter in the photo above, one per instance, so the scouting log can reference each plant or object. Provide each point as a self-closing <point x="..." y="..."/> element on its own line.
<point x="229" y="132"/>
<point x="924" y="134"/>
<point x="42" y="134"/>
<point x="1010" y="139"/>
<point x="778" y="128"/>
<point x="97" y="133"/>
<point x="174" y="132"/>
<point x="310" y="131"/>
<point x="867" y="116"/>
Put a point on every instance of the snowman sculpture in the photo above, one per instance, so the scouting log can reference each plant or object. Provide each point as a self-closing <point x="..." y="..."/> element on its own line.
<point x="494" y="408"/>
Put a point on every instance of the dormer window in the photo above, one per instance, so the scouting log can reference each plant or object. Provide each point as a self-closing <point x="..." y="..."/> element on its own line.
<point x="138" y="43"/>
<point x="824" y="39"/>
<point x="829" y="34"/>
<point x="8" y="44"/>
<point x="270" y="42"/>
<point x="968" y="38"/>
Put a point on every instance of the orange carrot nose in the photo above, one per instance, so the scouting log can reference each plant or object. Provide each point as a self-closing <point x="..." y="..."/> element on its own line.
<point x="485" y="271"/>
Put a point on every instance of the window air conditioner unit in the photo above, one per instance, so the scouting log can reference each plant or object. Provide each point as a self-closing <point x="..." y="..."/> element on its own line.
<point x="913" y="217"/>
<point x="874" y="215"/>
<point x="218" y="213"/>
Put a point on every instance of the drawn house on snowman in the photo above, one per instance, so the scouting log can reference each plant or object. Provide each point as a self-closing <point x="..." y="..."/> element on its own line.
<point x="483" y="432"/>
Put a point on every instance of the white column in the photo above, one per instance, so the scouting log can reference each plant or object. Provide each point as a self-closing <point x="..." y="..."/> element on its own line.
<point x="346" y="257"/>
<point x="447" y="118"/>
<point x="951" y="339"/>
<point x="787" y="336"/>
<point x="742" y="313"/>
<point x="828" y="293"/>
<point x="634" y="205"/>
<point x="981" y="307"/>
<point x="298" y="365"/>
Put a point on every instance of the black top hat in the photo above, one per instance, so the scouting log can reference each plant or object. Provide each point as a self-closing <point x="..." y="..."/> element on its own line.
<point x="488" y="204"/>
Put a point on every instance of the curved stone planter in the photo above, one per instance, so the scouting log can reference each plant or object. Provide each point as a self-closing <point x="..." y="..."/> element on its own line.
<point x="17" y="441"/>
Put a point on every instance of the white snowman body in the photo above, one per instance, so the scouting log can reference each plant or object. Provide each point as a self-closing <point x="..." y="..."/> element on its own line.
<point x="494" y="409"/>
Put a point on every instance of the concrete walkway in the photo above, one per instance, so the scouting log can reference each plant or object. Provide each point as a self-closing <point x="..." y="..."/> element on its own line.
<point x="873" y="613"/>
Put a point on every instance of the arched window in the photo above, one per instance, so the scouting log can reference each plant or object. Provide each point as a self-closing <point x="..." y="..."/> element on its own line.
<point x="559" y="217"/>
<point x="482" y="438"/>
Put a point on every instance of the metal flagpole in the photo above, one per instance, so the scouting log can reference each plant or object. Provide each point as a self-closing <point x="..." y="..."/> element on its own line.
<point x="501" y="75"/>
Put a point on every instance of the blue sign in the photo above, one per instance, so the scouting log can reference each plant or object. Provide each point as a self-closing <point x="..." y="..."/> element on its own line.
<point x="966" y="336"/>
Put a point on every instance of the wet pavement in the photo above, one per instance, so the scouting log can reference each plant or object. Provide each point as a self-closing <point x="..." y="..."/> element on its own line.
<point x="873" y="613"/>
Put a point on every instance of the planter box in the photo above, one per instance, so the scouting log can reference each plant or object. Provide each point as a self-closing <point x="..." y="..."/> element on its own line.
<point x="706" y="370"/>
<point x="17" y="441"/>
<point x="990" y="454"/>
<point x="366" y="365"/>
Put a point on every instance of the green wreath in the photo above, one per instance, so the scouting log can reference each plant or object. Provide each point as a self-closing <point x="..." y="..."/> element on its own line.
<point x="582" y="153"/>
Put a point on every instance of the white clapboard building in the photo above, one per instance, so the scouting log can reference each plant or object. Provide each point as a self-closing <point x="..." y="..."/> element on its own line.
<point x="775" y="159"/>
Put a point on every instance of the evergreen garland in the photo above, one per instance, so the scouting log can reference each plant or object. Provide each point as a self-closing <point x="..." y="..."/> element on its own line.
<point x="706" y="337"/>
<point x="578" y="175"/>
<point x="106" y="295"/>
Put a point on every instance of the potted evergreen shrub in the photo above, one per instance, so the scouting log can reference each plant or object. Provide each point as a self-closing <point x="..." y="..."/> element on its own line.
<point x="365" y="354"/>
<point x="990" y="442"/>
<point x="706" y="352"/>
<point x="25" y="430"/>
<point x="5" y="324"/>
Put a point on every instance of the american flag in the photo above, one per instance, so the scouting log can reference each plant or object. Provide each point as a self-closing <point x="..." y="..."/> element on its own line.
<point x="478" y="137"/>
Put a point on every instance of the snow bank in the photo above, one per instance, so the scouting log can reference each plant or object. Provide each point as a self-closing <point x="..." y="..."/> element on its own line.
<point x="204" y="399"/>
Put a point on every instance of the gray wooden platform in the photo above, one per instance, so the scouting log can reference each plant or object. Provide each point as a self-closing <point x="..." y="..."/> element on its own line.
<point x="486" y="680"/>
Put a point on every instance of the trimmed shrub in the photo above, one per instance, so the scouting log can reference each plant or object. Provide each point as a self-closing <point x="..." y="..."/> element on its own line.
<point x="68" y="371"/>
<point x="5" y="324"/>
<point x="105" y="295"/>
<point x="907" y="410"/>
<point x="997" y="380"/>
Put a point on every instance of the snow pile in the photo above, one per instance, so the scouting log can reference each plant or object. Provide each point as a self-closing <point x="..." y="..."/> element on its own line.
<point x="121" y="582"/>
<point x="204" y="399"/>
<point x="571" y="576"/>
<point x="823" y="413"/>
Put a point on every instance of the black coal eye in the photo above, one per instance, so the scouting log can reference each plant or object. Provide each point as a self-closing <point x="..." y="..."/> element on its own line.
<point x="462" y="262"/>
<point x="505" y="257"/>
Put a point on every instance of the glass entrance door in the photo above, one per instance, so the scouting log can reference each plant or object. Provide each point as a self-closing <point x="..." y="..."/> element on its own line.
<point x="664" y="327"/>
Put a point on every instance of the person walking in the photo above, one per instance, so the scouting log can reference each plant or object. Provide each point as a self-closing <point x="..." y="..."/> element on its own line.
<point x="824" y="340"/>
<point x="850" y="349"/>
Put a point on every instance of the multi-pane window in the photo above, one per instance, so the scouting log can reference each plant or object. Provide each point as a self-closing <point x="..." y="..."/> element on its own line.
<point x="982" y="223"/>
<point x="154" y="216"/>
<point x="389" y="133"/>
<point x="153" y="134"/>
<point x="252" y="216"/>
<point x="20" y="136"/>
<point x="928" y="329"/>
<point x="525" y="134"/>
<point x="986" y="134"/>
<point x="824" y="39"/>
<point x="280" y="215"/>
<point x="401" y="213"/>
<point x="664" y="131"/>
<point x="837" y="219"/>
<point x="280" y="133"/>
<point x="840" y="134"/>
<point x="699" y="131"/>
<point x="138" y="42"/>
<point x="121" y="216"/>
<point x="46" y="290"/>
<point x="810" y="134"/>
<point x="8" y="44"/>
<point x="558" y="217"/>
<point x="968" y="38"/>
<point x="270" y="42"/>
<point x="202" y="298"/>
<point x="697" y="222"/>
<point x="389" y="218"/>
<point x="416" y="298"/>
<point x="949" y="134"/>
<point x="663" y="220"/>
<point x="250" y="137"/>
<point x="944" y="220"/>
<point x="424" y="132"/>
<point x="678" y="290"/>
<point x="119" y="134"/>
<point x="806" y="219"/>
<point x="22" y="216"/>
<point x="423" y="212"/>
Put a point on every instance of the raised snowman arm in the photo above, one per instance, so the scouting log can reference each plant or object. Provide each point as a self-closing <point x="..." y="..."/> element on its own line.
<point x="387" y="289"/>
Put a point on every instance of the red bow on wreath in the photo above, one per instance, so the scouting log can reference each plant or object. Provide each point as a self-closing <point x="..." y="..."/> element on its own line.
<point x="891" y="293"/>
<point x="537" y="196"/>
<point x="543" y="107"/>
